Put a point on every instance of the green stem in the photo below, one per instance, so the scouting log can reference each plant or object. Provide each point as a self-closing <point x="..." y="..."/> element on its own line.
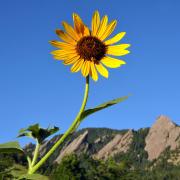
<point x="29" y="161"/>
<point x="73" y="127"/>
<point x="36" y="153"/>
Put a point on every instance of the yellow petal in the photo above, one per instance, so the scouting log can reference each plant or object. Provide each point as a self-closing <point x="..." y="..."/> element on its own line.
<point x="71" y="60"/>
<point x="62" y="45"/>
<point x="61" y="52"/>
<point x="65" y="37"/>
<point x="71" y="32"/>
<point x="86" y="31"/>
<point x="102" y="26"/>
<point x="79" y="26"/>
<point x="77" y="65"/>
<point x="109" y="29"/>
<point x="62" y="55"/>
<point x="95" y="23"/>
<point x="112" y="62"/>
<point x="85" y="68"/>
<point x="59" y="58"/>
<point x="102" y="70"/>
<point x="115" y="39"/>
<point x="93" y="72"/>
<point x="118" y="50"/>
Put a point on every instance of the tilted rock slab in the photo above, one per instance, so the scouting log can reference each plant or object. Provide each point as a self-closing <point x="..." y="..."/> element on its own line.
<point x="120" y="143"/>
<point x="72" y="147"/>
<point x="164" y="133"/>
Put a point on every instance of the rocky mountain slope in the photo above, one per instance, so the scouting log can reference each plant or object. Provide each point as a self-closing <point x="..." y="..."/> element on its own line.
<point x="163" y="134"/>
<point x="146" y="144"/>
<point x="120" y="143"/>
<point x="147" y="153"/>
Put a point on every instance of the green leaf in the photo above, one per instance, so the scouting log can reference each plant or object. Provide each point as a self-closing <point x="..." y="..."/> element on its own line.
<point x="18" y="170"/>
<point x="24" y="132"/>
<point x="36" y="132"/>
<point x="11" y="147"/>
<point x="102" y="106"/>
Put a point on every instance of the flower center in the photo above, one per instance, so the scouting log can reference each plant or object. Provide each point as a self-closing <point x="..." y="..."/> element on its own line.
<point x="91" y="48"/>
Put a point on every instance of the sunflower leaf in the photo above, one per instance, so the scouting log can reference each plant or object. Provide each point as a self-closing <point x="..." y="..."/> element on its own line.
<point x="11" y="147"/>
<point x="102" y="106"/>
<point x="38" y="133"/>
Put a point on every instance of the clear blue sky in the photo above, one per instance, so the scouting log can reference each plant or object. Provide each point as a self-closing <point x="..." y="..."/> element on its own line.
<point x="36" y="88"/>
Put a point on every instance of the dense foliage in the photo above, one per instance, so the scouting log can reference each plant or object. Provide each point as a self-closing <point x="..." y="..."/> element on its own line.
<point x="83" y="167"/>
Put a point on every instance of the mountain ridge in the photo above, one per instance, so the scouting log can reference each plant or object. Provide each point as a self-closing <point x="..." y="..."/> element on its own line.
<point x="146" y="153"/>
<point x="104" y="143"/>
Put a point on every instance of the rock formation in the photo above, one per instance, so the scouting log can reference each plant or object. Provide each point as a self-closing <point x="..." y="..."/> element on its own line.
<point x="72" y="147"/>
<point x="120" y="143"/>
<point x="103" y="143"/>
<point x="163" y="134"/>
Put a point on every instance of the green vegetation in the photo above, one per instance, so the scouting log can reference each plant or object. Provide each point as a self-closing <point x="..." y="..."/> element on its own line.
<point x="81" y="166"/>
<point x="136" y="154"/>
<point x="129" y="166"/>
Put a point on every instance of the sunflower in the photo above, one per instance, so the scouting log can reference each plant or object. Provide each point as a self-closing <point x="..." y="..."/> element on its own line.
<point x="88" y="50"/>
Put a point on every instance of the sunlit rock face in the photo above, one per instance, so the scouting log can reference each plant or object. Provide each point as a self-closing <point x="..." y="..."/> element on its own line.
<point x="72" y="147"/>
<point x="120" y="143"/>
<point x="163" y="134"/>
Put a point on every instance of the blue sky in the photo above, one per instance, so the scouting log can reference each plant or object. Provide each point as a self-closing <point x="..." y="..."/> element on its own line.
<point x="36" y="88"/>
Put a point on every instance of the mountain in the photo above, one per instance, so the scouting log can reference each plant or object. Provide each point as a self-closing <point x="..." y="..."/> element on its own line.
<point x="163" y="134"/>
<point x="146" y="144"/>
<point x="147" y="154"/>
